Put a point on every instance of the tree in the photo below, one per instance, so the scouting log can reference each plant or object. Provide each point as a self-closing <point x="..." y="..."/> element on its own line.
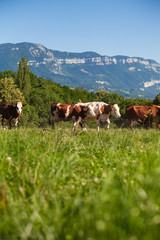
<point x="9" y="92"/>
<point x="24" y="81"/>
<point x="8" y="74"/>
<point x="157" y="100"/>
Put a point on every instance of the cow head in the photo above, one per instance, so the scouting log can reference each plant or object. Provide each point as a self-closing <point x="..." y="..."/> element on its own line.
<point x="115" y="111"/>
<point x="19" y="106"/>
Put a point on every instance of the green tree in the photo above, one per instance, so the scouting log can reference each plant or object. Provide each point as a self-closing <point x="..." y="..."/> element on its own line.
<point x="9" y="92"/>
<point x="24" y="81"/>
<point x="42" y="96"/>
<point x="157" y="100"/>
<point x="8" y="74"/>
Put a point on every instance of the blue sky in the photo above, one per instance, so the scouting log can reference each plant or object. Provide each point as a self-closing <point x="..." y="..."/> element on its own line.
<point x="108" y="27"/>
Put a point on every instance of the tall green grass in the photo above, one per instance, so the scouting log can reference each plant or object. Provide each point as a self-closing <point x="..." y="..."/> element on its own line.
<point x="88" y="185"/>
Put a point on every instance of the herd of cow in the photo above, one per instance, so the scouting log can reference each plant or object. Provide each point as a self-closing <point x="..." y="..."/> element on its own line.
<point x="79" y="112"/>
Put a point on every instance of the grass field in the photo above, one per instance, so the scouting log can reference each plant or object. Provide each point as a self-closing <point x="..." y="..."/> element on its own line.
<point x="89" y="186"/>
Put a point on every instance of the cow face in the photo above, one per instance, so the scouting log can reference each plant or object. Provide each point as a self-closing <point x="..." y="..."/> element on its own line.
<point x="19" y="107"/>
<point x="115" y="111"/>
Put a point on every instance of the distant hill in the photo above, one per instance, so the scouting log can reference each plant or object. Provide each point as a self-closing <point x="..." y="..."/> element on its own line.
<point x="128" y="76"/>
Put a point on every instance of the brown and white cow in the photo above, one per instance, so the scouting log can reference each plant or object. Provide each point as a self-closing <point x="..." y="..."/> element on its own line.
<point x="101" y="112"/>
<point x="142" y="115"/>
<point x="67" y="112"/>
<point x="11" y="112"/>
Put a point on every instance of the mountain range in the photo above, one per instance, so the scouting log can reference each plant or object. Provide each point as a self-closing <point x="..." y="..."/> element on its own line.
<point x="128" y="76"/>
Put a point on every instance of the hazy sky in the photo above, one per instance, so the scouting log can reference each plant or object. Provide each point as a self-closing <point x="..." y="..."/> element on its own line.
<point x="108" y="27"/>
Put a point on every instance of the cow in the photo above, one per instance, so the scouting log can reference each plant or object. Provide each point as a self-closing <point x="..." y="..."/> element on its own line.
<point x="142" y="115"/>
<point x="101" y="112"/>
<point x="67" y="112"/>
<point x="11" y="112"/>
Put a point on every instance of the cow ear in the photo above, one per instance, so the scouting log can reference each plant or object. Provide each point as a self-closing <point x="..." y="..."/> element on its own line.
<point x="24" y="105"/>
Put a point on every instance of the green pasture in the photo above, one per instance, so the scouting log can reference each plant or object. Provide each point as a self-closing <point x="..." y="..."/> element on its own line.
<point x="88" y="185"/>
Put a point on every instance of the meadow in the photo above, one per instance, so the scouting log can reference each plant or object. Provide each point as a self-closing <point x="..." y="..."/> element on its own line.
<point x="89" y="185"/>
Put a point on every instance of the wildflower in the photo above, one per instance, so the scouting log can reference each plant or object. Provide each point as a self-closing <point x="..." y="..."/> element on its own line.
<point x="73" y="186"/>
<point x="114" y="169"/>
<point x="9" y="159"/>
<point x="133" y="161"/>
<point x="96" y="180"/>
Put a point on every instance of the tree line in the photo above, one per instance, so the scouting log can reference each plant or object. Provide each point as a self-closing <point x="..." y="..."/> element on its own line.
<point x="39" y="93"/>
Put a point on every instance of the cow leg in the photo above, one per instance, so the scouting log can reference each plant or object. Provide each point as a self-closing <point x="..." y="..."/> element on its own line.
<point x="53" y="122"/>
<point x="98" y="124"/>
<point x="10" y="123"/>
<point x="127" y="122"/>
<point x="3" y="124"/>
<point x="133" y="123"/>
<point x="16" y="122"/>
<point x="76" y="123"/>
<point x="81" y="123"/>
<point x="108" y="123"/>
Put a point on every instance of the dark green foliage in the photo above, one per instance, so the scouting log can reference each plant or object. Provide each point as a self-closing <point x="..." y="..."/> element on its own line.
<point x="8" y="74"/>
<point x="157" y="100"/>
<point x="24" y="77"/>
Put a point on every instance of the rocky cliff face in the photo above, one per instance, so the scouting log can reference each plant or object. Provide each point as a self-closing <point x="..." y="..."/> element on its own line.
<point x="129" y="76"/>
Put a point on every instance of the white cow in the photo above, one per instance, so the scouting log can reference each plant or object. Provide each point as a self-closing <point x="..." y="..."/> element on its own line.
<point x="101" y="111"/>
